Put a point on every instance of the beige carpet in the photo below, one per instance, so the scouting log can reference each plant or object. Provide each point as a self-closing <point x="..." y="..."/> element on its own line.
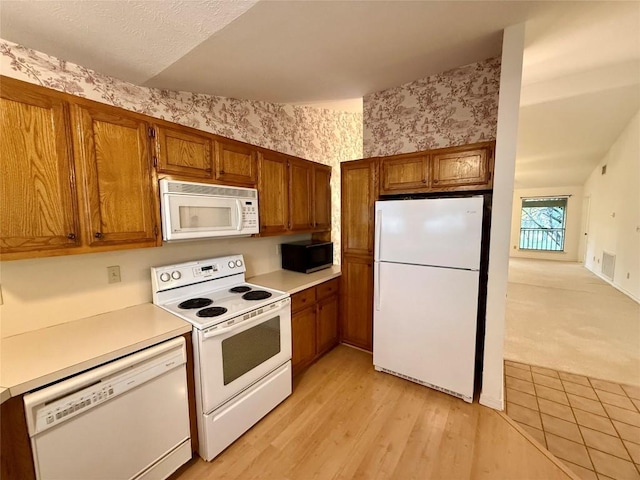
<point x="561" y="316"/>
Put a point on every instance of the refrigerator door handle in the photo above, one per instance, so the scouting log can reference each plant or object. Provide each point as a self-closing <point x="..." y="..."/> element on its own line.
<point x="376" y="283"/>
<point x="378" y="237"/>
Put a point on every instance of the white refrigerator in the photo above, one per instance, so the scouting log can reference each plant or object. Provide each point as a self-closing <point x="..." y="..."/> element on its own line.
<point x="426" y="283"/>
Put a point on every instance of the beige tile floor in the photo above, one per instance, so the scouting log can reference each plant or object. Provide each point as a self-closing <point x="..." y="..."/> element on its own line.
<point x="592" y="425"/>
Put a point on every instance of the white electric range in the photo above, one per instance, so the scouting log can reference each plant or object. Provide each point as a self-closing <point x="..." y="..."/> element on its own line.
<point x="241" y="340"/>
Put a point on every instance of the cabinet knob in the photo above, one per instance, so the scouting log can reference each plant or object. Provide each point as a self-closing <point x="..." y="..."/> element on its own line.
<point x="424" y="180"/>
<point x="71" y="236"/>
<point x="221" y="172"/>
<point x="98" y="234"/>
<point x="435" y="180"/>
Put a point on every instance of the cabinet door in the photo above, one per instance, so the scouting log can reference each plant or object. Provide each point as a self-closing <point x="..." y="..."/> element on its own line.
<point x="404" y="174"/>
<point x="326" y="324"/>
<point x="300" y="195"/>
<point x="359" y="193"/>
<point x="113" y="156"/>
<point x="321" y="197"/>
<point x="37" y="189"/>
<point x="236" y="163"/>
<point x="183" y="152"/>
<point x="452" y="170"/>
<point x="303" y="338"/>
<point x="273" y="193"/>
<point x="356" y="311"/>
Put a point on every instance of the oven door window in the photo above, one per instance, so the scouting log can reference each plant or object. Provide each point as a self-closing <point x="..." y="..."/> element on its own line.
<point x="246" y="350"/>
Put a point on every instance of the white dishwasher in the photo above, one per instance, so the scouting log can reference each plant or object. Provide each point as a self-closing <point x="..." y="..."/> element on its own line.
<point x="128" y="419"/>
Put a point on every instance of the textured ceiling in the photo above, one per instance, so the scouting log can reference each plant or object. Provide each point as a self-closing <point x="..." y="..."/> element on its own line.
<point x="581" y="71"/>
<point x="130" y="40"/>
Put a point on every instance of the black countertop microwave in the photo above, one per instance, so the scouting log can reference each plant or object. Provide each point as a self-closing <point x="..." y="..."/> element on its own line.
<point x="307" y="256"/>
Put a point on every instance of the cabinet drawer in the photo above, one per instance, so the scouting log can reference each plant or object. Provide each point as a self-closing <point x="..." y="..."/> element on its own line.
<point x="328" y="288"/>
<point x="303" y="299"/>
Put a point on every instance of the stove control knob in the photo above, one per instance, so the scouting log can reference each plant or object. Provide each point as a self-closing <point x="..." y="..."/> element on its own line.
<point x="176" y="275"/>
<point x="231" y="264"/>
<point x="165" y="277"/>
<point x="238" y="263"/>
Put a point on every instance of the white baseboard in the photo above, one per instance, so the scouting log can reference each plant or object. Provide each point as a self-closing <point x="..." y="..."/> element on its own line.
<point x="617" y="287"/>
<point x="495" y="403"/>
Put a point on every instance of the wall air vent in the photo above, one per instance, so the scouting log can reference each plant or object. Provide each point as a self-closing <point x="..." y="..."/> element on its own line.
<point x="608" y="265"/>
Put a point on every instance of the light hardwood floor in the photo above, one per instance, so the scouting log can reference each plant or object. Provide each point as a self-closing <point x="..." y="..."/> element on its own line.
<point x="345" y="420"/>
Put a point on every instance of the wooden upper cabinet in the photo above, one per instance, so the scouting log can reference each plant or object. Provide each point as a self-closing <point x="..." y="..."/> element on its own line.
<point x="37" y="189"/>
<point x="321" y="197"/>
<point x="183" y="151"/>
<point x="112" y="151"/>
<point x="236" y="163"/>
<point x="273" y="193"/>
<point x="462" y="168"/>
<point x="300" y="195"/>
<point x="404" y="174"/>
<point x="359" y="193"/>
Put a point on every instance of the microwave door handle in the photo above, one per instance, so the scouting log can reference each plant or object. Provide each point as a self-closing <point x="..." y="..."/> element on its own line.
<point x="239" y="210"/>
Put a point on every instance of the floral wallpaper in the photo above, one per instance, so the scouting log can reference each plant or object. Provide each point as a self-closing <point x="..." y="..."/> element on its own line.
<point x="456" y="107"/>
<point x="320" y="135"/>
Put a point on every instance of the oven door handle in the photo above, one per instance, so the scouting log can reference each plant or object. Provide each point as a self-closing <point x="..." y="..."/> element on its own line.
<point x="225" y="328"/>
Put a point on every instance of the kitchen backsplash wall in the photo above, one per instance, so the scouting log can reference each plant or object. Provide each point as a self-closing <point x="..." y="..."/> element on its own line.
<point x="42" y="292"/>
<point x="320" y="135"/>
<point x="455" y="107"/>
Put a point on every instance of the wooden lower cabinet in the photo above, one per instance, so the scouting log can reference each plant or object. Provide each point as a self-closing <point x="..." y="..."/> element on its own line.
<point x="327" y="324"/>
<point x="303" y="334"/>
<point x="356" y="309"/>
<point x="314" y="323"/>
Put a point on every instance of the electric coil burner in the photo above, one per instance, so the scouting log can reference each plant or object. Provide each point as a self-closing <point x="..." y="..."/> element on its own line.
<point x="256" y="295"/>
<point x="195" y="303"/>
<point x="240" y="289"/>
<point x="211" y="312"/>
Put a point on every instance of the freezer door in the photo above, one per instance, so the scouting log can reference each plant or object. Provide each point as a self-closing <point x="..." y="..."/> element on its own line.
<point x="441" y="231"/>
<point x="424" y="324"/>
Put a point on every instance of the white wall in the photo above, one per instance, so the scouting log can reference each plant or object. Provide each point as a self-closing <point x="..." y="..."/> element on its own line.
<point x="614" y="213"/>
<point x="492" y="394"/>
<point x="573" y="219"/>
<point x="42" y="292"/>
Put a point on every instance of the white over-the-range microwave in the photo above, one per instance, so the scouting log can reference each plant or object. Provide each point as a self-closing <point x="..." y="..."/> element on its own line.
<point x="199" y="210"/>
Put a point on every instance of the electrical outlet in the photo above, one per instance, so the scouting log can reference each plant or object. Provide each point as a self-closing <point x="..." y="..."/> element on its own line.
<point x="278" y="249"/>
<point x="1" y="300"/>
<point x="628" y="275"/>
<point x="113" y="274"/>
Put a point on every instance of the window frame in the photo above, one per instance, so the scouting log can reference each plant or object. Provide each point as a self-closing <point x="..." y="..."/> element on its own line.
<point x="528" y="244"/>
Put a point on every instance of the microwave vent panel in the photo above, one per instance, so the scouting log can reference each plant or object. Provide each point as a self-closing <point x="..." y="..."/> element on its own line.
<point x="210" y="190"/>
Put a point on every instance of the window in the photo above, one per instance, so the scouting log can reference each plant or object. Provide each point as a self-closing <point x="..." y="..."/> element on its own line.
<point x="542" y="223"/>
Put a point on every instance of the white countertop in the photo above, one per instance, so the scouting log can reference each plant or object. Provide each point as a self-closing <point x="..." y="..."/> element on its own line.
<point x="33" y="359"/>
<point x="293" y="282"/>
